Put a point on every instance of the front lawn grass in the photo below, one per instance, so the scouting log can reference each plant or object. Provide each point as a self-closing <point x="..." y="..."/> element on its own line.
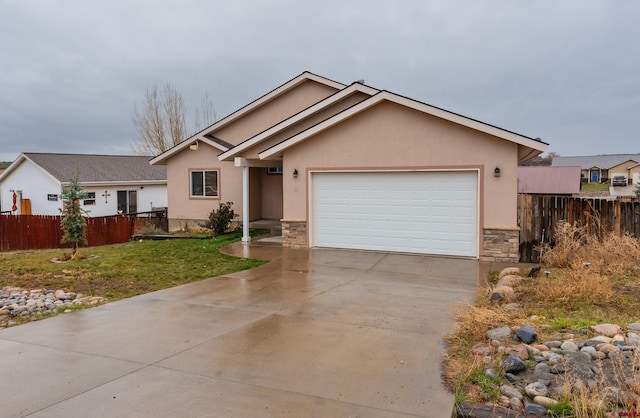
<point x="124" y="270"/>
<point x="595" y="186"/>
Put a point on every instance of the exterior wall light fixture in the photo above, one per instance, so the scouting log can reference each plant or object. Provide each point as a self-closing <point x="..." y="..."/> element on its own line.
<point x="496" y="172"/>
<point x="295" y="173"/>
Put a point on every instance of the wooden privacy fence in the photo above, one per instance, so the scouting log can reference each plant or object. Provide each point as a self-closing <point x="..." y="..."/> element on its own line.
<point x="539" y="214"/>
<point x="155" y="220"/>
<point x="30" y="232"/>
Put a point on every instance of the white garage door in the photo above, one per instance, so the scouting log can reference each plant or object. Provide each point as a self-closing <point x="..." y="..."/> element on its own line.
<point x="417" y="212"/>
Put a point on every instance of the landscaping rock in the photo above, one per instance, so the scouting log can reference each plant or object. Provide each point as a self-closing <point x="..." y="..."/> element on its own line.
<point x="510" y="280"/>
<point x="597" y="340"/>
<point x="535" y="409"/>
<point x="516" y="404"/>
<point x="553" y="344"/>
<point x="579" y="364"/>
<point x="533" y="351"/>
<point x="498" y="333"/>
<point x="516" y="271"/>
<point x="634" y="326"/>
<point x="544" y="401"/>
<point x="607" y="348"/>
<point x="541" y="369"/>
<point x="470" y="410"/>
<point x="481" y="349"/>
<point x="526" y="334"/>
<point x="633" y="339"/>
<point x="511" y="392"/>
<point x="519" y="350"/>
<point x="512" y="377"/>
<point x="502" y="293"/>
<point x="24" y="303"/>
<point x="608" y="330"/>
<point x="569" y="346"/>
<point x="588" y="349"/>
<point x="513" y="364"/>
<point x="536" y="389"/>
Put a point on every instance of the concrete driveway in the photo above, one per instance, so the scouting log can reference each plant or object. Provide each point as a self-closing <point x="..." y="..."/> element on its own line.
<point x="319" y="333"/>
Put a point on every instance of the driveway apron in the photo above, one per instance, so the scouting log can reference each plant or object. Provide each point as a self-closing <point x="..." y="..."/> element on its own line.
<point x="312" y="333"/>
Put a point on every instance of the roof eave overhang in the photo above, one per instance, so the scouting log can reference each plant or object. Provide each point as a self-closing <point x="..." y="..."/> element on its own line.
<point x="120" y="183"/>
<point x="12" y="166"/>
<point x="527" y="152"/>
<point x="162" y="158"/>
<point x="528" y="147"/>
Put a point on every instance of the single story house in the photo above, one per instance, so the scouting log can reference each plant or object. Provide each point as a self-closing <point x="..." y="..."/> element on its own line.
<point x="355" y="167"/>
<point x="602" y="168"/>
<point x="549" y="180"/>
<point x="32" y="184"/>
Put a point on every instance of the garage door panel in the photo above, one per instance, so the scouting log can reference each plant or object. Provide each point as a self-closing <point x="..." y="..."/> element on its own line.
<point x="423" y="212"/>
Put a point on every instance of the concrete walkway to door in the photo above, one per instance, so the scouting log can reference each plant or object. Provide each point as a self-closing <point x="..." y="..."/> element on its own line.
<point x="312" y="333"/>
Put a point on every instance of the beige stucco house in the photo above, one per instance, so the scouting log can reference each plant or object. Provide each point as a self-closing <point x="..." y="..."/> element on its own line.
<point x="354" y="167"/>
<point x="602" y="168"/>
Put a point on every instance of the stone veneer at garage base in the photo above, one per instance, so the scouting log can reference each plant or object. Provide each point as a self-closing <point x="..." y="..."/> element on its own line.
<point x="501" y="245"/>
<point x="498" y="244"/>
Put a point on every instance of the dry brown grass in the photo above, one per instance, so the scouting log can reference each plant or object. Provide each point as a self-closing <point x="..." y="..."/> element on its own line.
<point x="577" y="246"/>
<point x="475" y="321"/>
<point x="594" y="279"/>
<point x="569" y="289"/>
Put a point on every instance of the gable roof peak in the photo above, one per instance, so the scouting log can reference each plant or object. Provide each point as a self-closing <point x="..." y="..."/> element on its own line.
<point x="209" y="131"/>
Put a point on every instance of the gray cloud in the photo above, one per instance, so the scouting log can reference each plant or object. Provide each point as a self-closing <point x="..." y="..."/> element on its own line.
<point x="71" y="71"/>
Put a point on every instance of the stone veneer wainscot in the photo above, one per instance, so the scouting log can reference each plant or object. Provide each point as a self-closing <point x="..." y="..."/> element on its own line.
<point x="294" y="234"/>
<point x="501" y="244"/>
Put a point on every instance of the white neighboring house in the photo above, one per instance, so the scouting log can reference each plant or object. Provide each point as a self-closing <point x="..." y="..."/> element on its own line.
<point x="113" y="183"/>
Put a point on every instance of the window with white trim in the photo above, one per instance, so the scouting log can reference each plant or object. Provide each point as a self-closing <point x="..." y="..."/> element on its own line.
<point x="90" y="199"/>
<point x="204" y="183"/>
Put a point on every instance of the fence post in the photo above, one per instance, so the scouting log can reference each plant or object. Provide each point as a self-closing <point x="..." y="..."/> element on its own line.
<point x="617" y="218"/>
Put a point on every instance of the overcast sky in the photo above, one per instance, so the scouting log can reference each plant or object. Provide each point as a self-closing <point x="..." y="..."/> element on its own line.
<point x="567" y="72"/>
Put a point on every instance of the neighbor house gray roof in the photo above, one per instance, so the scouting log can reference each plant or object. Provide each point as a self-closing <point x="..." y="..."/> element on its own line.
<point x="99" y="168"/>
<point x="601" y="161"/>
<point x="549" y="180"/>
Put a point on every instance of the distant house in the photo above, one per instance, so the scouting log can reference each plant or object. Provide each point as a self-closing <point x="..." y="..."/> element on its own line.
<point x="549" y="180"/>
<point x="601" y="168"/>
<point x="113" y="183"/>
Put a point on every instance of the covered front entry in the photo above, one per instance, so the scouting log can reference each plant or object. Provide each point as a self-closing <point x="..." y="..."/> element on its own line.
<point x="261" y="191"/>
<point x="429" y="212"/>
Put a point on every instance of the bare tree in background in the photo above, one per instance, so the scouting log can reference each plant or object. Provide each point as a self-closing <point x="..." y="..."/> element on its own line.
<point x="160" y="123"/>
<point x="206" y="114"/>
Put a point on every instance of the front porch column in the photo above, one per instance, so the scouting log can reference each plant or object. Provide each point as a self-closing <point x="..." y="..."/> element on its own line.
<point x="245" y="205"/>
<point x="246" y="163"/>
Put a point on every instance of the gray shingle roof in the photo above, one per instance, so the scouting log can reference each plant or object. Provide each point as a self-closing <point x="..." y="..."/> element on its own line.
<point x="99" y="168"/>
<point x="601" y="161"/>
